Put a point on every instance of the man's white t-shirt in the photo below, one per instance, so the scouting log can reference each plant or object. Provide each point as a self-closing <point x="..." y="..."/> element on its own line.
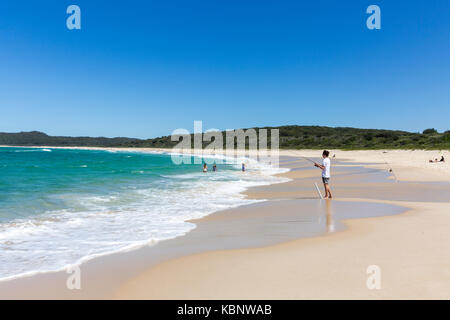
<point x="326" y="170"/>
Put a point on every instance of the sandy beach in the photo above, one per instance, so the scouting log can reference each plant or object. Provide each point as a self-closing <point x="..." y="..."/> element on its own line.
<point x="410" y="248"/>
<point x="294" y="246"/>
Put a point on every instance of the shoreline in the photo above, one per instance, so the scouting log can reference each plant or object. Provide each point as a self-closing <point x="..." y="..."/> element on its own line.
<point x="252" y="193"/>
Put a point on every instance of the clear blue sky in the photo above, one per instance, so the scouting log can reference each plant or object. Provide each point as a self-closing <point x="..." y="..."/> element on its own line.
<point x="145" y="68"/>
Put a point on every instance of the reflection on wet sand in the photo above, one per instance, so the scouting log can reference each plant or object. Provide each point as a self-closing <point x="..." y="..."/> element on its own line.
<point x="329" y="213"/>
<point x="326" y="221"/>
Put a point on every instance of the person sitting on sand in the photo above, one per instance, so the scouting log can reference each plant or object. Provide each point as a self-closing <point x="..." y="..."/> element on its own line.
<point x="205" y="168"/>
<point x="442" y="159"/>
<point x="325" y="166"/>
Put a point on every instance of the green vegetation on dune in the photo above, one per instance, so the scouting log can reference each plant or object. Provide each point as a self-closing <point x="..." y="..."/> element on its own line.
<point x="291" y="137"/>
<point x="302" y="137"/>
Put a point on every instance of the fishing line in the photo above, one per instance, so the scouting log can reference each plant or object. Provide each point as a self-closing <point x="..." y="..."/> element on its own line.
<point x="390" y="168"/>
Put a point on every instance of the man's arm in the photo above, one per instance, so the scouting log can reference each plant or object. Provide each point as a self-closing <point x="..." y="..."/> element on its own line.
<point x="319" y="166"/>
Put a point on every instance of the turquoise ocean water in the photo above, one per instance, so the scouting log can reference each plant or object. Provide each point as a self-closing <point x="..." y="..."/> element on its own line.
<point x="60" y="207"/>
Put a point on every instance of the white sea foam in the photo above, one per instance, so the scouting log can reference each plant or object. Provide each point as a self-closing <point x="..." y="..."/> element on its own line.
<point x="125" y="220"/>
<point x="34" y="150"/>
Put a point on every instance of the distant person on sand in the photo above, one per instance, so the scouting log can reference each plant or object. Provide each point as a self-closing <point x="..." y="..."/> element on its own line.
<point x="442" y="159"/>
<point x="205" y="168"/>
<point x="243" y="167"/>
<point x="325" y="166"/>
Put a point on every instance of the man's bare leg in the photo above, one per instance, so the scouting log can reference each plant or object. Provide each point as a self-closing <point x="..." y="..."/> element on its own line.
<point x="328" y="191"/>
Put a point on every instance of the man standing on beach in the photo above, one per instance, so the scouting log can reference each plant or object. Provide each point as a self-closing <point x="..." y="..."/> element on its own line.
<point x="325" y="166"/>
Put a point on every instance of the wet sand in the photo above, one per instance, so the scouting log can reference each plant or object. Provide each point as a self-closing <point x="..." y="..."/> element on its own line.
<point x="414" y="264"/>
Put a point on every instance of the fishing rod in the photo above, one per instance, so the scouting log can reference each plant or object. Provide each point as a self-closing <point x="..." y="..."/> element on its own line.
<point x="390" y="168"/>
<point x="310" y="160"/>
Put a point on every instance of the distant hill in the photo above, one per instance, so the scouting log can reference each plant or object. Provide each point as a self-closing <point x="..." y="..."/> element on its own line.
<point x="36" y="138"/>
<point x="291" y="137"/>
